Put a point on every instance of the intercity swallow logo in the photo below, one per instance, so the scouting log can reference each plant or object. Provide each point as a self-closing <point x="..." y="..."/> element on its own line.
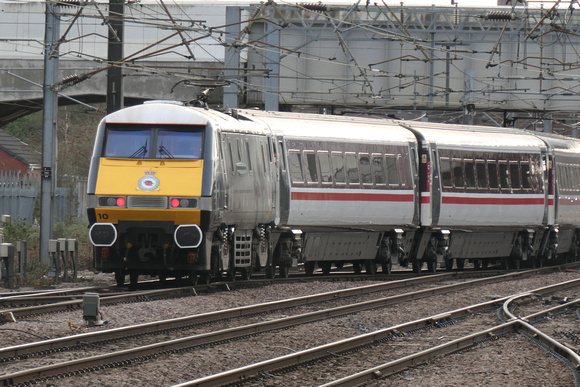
<point x="149" y="182"/>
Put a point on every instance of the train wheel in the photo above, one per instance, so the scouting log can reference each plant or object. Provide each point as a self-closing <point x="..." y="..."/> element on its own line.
<point x="432" y="266"/>
<point x="356" y="267"/>
<point x="506" y="263"/>
<point x="133" y="278"/>
<point x="417" y="266"/>
<point x="284" y="271"/>
<point x="120" y="277"/>
<point x="449" y="264"/>
<point x="192" y="278"/>
<point x="270" y="271"/>
<point x="460" y="264"/>
<point x="387" y="266"/>
<point x="326" y="268"/>
<point x="484" y="264"/>
<point x="204" y="278"/>
<point x="231" y="274"/>
<point x="476" y="264"/>
<point x="370" y="267"/>
<point x="246" y="273"/>
<point x="309" y="267"/>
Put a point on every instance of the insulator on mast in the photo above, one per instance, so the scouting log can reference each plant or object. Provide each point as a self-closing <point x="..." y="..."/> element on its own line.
<point x="500" y="15"/>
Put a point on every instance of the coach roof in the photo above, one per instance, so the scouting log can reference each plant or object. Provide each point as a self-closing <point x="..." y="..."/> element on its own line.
<point x="329" y="127"/>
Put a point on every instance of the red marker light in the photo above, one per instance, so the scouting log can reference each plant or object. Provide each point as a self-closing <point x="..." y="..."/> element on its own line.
<point x="121" y="202"/>
<point x="174" y="202"/>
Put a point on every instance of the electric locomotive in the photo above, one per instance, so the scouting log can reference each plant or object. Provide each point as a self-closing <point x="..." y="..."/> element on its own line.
<point x="165" y="201"/>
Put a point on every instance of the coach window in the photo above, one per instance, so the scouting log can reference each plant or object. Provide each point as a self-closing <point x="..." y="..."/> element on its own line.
<point x="311" y="173"/>
<point x="392" y="174"/>
<point x="239" y="150"/>
<point x="493" y="175"/>
<point x="504" y="179"/>
<point x="281" y="154"/>
<point x="567" y="179"/>
<point x="469" y="173"/>
<point x="295" y="166"/>
<point x="264" y="164"/>
<point x="526" y="175"/>
<point x="338" y="168"/>
<point x="571" y="184"/>
<point x="232" y="162"/>
<point x="445" y="170"/>
<point x="324" y="161"/>
<point x="365" y="169"/>
<point x="378" y="168"/>
<point x="481" y="174"/>
<point x="457" y="166"/>
<point x="515" y="175"/>
<point x="352" y="168"/>
<point x="249" y="153"/>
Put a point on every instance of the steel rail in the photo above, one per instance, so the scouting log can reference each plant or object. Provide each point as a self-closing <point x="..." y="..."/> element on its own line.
<point x="295" y="359"/>
<point x="104" y="300"/>
<point x="45" y="293"/>
<point x="127" y="297"/>
<point x="548" y="341"/>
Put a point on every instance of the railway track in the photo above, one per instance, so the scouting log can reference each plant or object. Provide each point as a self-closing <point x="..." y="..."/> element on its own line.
<point x="302" y="359"/>
<point x="137" y="354"/>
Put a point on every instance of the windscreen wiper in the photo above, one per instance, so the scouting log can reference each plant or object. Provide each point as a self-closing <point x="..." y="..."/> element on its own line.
<point x="164" y="152"/>
<point x="139" y="153"/>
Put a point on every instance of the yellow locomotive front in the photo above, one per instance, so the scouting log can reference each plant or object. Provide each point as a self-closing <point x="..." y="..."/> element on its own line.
<point x="145" y="189"/>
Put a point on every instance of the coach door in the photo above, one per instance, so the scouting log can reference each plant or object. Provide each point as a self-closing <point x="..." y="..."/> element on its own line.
<point x="225" y="160"/>
<point x="435" y="186"/>
<point x="549" y="188"/>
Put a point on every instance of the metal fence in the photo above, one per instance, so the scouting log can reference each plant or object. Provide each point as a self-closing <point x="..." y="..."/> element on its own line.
<point x="20" y="198"/>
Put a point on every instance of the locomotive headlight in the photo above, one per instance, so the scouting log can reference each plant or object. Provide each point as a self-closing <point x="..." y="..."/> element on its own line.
<point x="103" y="234"/>
<point x="188" y="236"/>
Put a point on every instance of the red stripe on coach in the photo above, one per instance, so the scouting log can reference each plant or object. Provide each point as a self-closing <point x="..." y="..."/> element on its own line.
<point x="363" y="197"/>
<point x="492" y="201"/>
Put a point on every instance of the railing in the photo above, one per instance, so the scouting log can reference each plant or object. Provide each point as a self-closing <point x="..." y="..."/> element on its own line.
<point x="19" y="193"/>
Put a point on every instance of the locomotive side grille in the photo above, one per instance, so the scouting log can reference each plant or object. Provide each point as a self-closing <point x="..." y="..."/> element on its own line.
<point x="147" y="202"/>
<point x="243" y="248"/>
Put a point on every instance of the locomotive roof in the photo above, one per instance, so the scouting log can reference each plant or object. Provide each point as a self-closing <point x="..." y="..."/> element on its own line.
<point x="329" y="127"/>
<point x="169" y="112"/>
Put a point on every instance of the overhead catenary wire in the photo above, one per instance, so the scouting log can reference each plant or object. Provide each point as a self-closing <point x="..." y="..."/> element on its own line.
<point x="195" y="32"/>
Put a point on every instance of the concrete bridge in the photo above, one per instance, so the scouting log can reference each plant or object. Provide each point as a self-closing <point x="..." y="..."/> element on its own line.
<point x="21" y="85"/>
<point x="509" y="65"/>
